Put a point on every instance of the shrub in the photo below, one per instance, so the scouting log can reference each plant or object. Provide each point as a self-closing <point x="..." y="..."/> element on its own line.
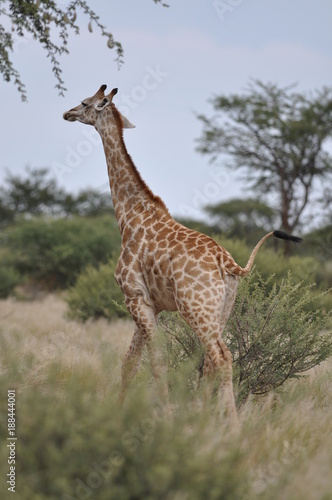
<point x="9" y="278"/>
<point x="181" y="348"/>
<point x="274" y="334"/>
<point x="96" y="294"/>
<point x="81" y="447"/>
<point x="52" y="252"/>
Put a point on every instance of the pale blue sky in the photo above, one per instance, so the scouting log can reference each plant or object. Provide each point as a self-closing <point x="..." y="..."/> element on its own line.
<point x="175" y="60"/>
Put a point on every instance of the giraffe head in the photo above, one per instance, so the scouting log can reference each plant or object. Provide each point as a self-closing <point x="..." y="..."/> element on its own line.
<point x="93" y="110"/>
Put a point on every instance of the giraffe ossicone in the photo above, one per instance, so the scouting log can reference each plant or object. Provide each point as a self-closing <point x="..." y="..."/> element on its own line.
<point x="163" y="265"/>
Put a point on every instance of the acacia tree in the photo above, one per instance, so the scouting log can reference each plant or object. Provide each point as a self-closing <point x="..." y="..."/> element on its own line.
<point x="50" y="25"/>
<point x="33" y="195"/>
<point x="277" y="137"/>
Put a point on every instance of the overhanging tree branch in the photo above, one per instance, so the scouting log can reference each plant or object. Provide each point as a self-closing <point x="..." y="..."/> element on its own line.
<point x="50" y="25"/>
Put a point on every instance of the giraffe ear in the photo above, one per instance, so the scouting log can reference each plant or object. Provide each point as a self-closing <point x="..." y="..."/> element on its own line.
<point x="125" y="122"/>
<point x="102" y="104"/>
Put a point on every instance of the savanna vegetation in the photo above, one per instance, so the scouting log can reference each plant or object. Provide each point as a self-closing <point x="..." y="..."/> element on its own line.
<point x="75" y="442"/>
<point x="64" y="330"/>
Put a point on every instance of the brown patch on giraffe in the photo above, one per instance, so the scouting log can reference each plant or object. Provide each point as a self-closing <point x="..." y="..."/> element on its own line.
<point x="158" y="226"/>
<point x="127" y="257"/>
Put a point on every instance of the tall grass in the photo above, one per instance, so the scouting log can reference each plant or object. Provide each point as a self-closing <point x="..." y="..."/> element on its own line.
<point x="75" y="442"/>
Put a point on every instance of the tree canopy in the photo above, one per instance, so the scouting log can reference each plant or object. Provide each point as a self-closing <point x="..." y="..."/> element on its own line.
<point x="276" y="136"/>
<point x="38" y="194"/>
<point x="50" y="24"/>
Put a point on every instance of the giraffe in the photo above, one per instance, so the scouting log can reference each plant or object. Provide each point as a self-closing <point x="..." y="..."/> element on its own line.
<point x="164" y="265"/>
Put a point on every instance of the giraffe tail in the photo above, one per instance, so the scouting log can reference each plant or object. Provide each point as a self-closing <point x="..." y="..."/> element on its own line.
<point x="243" y="271"/>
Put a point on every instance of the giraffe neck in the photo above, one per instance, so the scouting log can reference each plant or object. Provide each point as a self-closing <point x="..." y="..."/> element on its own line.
<point x="130" y="195"/>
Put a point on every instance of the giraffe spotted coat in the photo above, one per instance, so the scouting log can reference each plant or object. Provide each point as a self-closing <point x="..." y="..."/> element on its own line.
<point x="164" y="265"/>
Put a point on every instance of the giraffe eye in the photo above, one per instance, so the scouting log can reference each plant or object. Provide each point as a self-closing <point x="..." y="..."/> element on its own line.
<point x="84" y="104"/>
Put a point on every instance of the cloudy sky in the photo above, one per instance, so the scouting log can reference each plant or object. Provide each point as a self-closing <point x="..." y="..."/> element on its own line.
<point x="176" y="58"/>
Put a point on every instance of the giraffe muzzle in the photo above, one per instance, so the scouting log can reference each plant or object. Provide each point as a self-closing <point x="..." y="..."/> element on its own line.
<point x="69" y="116"/>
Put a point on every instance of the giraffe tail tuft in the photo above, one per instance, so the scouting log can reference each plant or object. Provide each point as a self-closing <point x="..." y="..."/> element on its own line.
<point x="285" y="236"/>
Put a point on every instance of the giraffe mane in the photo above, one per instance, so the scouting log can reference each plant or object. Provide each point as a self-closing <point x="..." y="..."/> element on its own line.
<point x="145" y="187"/>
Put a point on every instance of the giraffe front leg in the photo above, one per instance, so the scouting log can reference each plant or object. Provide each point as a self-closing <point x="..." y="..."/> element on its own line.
<point x="158" y="366"/>
<point x="206" y="379"/>
<point x="131" y="362"/>
<point x="145" y="319"/>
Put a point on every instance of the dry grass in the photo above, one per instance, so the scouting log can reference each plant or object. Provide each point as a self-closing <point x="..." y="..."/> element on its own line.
<point x="40" y="329"/>
<point x="288" y="438"/>
<point x="285" y="443"/>
<point x="49" y="315"/>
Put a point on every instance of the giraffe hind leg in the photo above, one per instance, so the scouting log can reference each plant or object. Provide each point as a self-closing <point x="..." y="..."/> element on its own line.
<point x="231" y="282"/>
<point x="219" y="369"/>
<point x="218" y="362"/>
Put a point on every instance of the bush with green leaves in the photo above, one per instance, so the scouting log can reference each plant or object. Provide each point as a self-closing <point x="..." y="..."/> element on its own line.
<point x="53" y="252"/>
<point x="101" y="452"/>
<point x="96" y="294"/>
<point x="9" y="278"/>
<point x="275" y="333"/>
